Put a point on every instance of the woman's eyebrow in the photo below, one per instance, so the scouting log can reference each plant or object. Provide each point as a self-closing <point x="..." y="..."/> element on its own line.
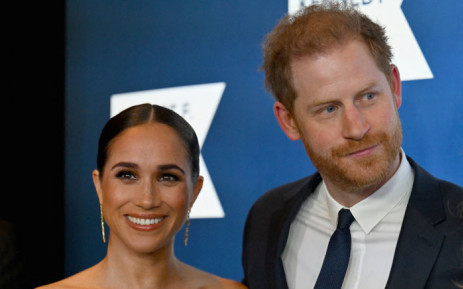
<point x="170" y="167"/>
<point x="125" y="165"/>
<point x="160" y="167"/>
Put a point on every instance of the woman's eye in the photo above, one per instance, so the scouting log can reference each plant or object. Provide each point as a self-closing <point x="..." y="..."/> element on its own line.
<point x="126" y="175"/>
<point x="168" y="178"/>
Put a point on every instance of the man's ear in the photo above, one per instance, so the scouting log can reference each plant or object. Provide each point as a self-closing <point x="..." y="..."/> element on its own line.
<point x="97" y="184"/>
<point x="286" y="121"/>
<point x="396" y="86"/>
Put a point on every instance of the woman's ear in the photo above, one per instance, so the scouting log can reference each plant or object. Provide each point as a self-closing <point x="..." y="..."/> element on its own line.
<point x="197" y="188"/>
<point x="97" y="184"/>
<point x="286" y="121"/>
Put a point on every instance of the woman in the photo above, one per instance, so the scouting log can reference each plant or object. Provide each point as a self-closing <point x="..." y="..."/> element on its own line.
<point x="147" y="179"/>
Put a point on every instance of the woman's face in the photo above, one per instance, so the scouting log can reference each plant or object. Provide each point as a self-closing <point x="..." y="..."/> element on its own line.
<point x="146" y="187"/>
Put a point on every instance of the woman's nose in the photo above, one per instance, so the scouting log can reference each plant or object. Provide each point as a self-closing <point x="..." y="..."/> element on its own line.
<point x="150" y="196"/>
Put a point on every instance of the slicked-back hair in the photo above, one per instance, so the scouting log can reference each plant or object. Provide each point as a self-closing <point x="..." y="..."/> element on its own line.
<point x="148" y="113"/>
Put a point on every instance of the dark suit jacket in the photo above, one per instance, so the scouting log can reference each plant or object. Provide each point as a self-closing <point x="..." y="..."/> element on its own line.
<point x="429" y="249"/>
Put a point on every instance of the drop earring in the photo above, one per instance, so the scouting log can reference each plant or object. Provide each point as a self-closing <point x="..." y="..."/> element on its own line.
<point x="187" y="228"/>
<point x="102" y="223"/>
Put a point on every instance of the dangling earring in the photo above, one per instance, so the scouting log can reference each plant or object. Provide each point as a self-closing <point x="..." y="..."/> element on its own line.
<point x="102" y="224"/>
<point x="187" y="228"/>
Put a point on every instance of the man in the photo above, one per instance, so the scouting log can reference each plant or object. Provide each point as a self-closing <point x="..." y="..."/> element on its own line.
<point x="329" y="68"/>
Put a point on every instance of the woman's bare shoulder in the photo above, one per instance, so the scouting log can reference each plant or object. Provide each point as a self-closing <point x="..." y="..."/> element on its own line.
<point x="62" y="284"/>
<point x="210" y="281"/>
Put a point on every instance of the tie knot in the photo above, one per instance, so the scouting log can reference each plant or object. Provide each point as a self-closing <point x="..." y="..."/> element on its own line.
<point x="345" y="219"/>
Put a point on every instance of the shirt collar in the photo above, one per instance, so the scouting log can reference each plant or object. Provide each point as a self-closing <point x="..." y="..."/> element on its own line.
<point x="370" y="211"/>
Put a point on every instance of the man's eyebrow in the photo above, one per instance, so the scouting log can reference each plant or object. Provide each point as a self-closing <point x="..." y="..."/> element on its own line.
<point x="370" y="86"/>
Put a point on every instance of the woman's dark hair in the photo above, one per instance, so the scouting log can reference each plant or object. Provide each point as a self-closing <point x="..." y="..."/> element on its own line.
<point x="148" y="113"/>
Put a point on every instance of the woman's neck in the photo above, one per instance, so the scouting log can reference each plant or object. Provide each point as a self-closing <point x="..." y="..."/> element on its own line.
<point x="128" y="269"/>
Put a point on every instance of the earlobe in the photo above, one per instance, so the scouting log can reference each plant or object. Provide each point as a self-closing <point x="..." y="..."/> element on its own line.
<point x="286" y="121"/>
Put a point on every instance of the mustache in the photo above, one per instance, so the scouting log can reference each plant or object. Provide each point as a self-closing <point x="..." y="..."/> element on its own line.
<point x="353" y="146"/>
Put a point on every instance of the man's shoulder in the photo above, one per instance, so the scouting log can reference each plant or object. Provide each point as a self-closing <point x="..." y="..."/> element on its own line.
<point x="432" y="194"/>
<point x="281" y="194"/>
<point x="273" y="209"/>
<point x="451" y="190"/>
<point x="425" y="178"/>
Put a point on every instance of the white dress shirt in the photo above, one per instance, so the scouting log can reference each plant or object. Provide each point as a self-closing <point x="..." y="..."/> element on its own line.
<point x="374" y="233"/>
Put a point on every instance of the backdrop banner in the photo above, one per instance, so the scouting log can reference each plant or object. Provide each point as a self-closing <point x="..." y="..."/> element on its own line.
<point x="202" y="59"/>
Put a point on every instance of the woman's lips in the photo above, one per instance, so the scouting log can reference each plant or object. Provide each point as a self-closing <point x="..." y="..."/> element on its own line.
<point x="145" y="223"/>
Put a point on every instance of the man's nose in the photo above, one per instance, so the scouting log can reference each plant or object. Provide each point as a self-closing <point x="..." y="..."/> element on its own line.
<point x="355" y="125"/>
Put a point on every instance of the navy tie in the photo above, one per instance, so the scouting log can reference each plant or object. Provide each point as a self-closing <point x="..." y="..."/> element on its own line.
<point x="337" y="255"/>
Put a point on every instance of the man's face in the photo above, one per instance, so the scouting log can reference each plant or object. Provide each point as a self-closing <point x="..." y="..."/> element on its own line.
<point x="346" y="115"/>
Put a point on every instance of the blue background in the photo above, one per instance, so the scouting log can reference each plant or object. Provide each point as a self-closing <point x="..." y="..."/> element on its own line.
<point x="123" y="46"/>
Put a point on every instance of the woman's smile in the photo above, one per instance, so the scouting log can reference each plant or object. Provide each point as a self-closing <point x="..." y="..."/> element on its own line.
<point x="145" y="224"/>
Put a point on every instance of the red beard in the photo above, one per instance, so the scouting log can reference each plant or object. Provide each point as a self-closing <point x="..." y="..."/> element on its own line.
<point x="357" y="173"/>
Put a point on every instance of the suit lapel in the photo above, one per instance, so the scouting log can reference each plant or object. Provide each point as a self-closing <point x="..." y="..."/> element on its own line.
<point x="419" y="242"/>
<point x="416" y="252"/>
<point x="281" y="220"/>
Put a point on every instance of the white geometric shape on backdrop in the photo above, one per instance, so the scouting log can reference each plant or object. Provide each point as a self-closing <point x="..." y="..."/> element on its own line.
<point x="407" y="53"/>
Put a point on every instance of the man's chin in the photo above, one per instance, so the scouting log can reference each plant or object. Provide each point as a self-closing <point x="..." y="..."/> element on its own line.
<point x="358" y="174"/>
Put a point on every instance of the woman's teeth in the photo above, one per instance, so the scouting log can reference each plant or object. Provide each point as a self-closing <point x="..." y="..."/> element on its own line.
<point x="144" y="222"/>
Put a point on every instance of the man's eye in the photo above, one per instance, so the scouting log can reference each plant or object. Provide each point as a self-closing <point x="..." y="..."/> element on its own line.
<point x="369" y="96"/>
<point x="126" y="175"/>
<point x="330" y="109"/>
